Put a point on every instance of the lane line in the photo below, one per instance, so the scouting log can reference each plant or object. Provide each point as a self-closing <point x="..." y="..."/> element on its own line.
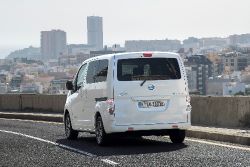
<point x="219" y="144"/>
<point x="62" y="146"/>
<point x="109" y="162"/>
<point x="188" y="139"/>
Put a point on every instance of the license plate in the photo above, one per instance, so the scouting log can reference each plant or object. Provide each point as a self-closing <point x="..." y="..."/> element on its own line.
<point x="150" y="104"/>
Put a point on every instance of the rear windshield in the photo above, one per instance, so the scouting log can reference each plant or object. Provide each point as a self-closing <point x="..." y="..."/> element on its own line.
<point x="148" y="69"/>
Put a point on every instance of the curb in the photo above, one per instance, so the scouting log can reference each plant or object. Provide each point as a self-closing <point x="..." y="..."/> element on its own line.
<point x="31" y="116"/>
<point x="194" y="133"/>
<point x="244" y="140"/>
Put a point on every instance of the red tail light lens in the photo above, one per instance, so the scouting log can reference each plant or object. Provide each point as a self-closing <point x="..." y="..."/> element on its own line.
<point x="174" y="126"/>
<point x="110" y="106"/>
<point x="147" y="54"/>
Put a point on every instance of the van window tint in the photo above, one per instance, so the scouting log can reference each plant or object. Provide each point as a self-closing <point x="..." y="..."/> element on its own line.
<point x="91" y="72"/>
<point x="97" y="71"/>
<point x="80" y="77"/>
<point x="102" y="71"/>
<point x="148" y="68"/>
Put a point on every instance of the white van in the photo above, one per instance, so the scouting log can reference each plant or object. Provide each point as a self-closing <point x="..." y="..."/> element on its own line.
<point x="141" y="93"/>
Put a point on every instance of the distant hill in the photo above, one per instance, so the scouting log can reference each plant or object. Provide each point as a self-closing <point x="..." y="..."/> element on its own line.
<point x="29" y="53"/>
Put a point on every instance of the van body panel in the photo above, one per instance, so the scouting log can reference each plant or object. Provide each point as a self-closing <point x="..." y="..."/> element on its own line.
<point x="130" y="95"/>
<point x="143" y="103"/>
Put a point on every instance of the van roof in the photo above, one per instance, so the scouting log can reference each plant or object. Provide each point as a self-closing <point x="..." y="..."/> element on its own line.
<point x="108" y="56"/>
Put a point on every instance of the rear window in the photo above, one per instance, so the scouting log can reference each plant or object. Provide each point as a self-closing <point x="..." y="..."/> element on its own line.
<point x="148" y="69"/>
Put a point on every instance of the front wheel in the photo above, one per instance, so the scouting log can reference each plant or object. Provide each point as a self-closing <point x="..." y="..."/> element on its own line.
<point x="177" y="136"/>
<point x="70" y="133"/>
<point x="101" y="136"/>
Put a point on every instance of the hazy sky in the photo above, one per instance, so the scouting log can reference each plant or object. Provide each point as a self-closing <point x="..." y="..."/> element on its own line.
<point x="22" y="20"/>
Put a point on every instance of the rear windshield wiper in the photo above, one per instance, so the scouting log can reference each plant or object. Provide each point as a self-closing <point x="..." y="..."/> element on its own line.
<point x="143" y="82"/>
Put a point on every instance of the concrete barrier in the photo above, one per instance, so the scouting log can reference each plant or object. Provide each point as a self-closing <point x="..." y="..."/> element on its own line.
<point x="221" y="111"/>
<point x="208" y="111"/>
<point x="32" y="103"/>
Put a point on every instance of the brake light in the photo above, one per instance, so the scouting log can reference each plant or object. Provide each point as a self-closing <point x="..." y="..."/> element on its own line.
<point x="189" y="107"/>
<point x="147" y="54"/>
<point x="110" y="106"/>
<point x="174" y="126"/>
<point x="130" y="128"/>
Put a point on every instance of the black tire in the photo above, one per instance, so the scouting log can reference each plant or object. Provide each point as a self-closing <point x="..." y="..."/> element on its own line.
<point x="177" y="136"/>
<point x="70" y="133"/>
<point x="101" y="136"/>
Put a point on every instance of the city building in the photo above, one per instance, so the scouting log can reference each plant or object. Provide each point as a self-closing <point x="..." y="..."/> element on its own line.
<point x="45" y="80"/>
<point x="152" y="45"/>
<point x="3" y="78"/>
<point x="103" y="52"/>
<point x="232" y="88"/>
<point x="217" y="66"/>
<point x="215" y="86"/>
<point x="200" y="70"/>
<point x="191" y="42"/>
<point x="117" y="47"/>
<point x="213" y="42"/>
<point x="235" y="61"/>
<point x="58" y="86"/>
<point x="75" y="49"/>
<point x="3" y="88"/>
<point x="192" y="79"/>
<point x="239" y="39"/>
<point x="53" y="44"/>
<point x="16" y="82"/>
<point x="95" y="32"/>
<point x="5" y="62"/>
<point x="31" y="88"/>
<point x="72" y="59"/>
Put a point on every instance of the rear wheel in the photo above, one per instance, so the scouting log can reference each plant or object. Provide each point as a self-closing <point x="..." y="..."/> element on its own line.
<point x="101" y="136"/>
<point x="177" y="136"/>
<point x="70" y="133"/>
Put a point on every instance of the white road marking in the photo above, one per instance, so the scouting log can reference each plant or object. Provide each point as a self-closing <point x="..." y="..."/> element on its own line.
<point x="109" y="162"/>
<point x="188" y="139"/>
<point x="219" y="144"/>
<point x="62" y="146"/>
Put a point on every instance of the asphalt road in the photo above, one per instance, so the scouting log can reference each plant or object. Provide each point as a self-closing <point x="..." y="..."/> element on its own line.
<point x="28" y="143"/>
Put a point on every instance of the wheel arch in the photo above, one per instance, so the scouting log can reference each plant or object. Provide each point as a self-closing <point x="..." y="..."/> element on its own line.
<point x="66" y="111"/>
<point x="97" y="114"/>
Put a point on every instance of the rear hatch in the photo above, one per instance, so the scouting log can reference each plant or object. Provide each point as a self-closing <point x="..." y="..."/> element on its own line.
<point x="149" y="89"/>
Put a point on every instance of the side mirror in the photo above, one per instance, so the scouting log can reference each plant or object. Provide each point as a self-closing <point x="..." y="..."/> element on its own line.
<point x="69" y="85"/>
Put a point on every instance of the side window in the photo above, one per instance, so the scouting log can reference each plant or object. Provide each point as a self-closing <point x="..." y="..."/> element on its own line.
<point x="97" y="71"/>
<point x="91" y="72"/>
<point x="102" y="71"/>
<point x="80" y="76"/>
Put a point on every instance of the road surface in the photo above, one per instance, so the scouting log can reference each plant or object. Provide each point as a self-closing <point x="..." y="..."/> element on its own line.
<point x="31" y="143"/>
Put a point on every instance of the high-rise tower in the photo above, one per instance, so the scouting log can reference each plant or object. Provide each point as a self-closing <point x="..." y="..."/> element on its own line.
<point x="95" y="32"/>
<point x="53" y="44"/>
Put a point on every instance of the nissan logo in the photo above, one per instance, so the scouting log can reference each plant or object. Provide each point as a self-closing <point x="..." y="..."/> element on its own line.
<point x="151" y="87"/>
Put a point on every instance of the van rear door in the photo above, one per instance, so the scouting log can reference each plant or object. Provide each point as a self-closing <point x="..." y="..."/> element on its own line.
<point x="149" y="89"/>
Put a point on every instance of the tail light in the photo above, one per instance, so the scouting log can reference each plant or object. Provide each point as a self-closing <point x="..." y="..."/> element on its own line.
<point x="174" y="126"/>
<point x="189" y="107"/>
<point x="147" y="54"/>
<point x="111" y="106"/>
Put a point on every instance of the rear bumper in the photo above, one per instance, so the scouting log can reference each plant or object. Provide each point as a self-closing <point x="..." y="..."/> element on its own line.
<point x="148" y="128"/>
